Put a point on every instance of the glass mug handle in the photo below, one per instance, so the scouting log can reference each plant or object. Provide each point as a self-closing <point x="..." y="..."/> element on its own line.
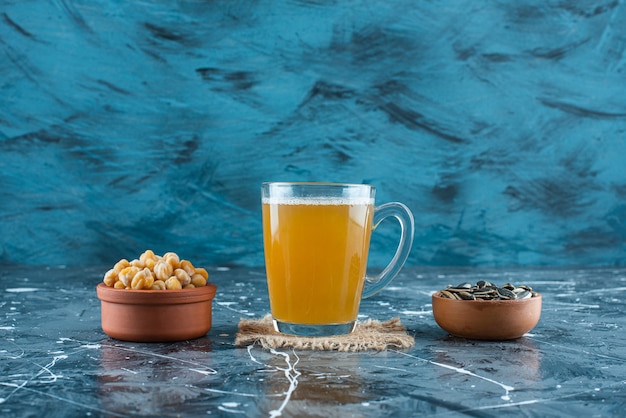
<point x="404" y="216"/>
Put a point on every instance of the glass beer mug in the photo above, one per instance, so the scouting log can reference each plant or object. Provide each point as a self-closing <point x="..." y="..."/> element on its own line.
<point x="316" y="241"/>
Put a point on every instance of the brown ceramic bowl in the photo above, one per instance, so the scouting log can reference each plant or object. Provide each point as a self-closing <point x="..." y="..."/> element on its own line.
<point x="156" y="315"/>
<point x="487" y="319"/>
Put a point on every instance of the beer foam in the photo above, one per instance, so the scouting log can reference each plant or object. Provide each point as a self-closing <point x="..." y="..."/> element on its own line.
<point x="334" y="201"/>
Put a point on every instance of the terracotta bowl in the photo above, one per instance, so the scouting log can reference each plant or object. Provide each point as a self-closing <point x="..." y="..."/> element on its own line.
<point x="156" y="315"/>
<point x="487" y="319"/>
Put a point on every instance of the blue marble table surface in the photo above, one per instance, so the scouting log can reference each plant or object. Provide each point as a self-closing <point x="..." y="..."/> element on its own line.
<point x="56" y="360"/>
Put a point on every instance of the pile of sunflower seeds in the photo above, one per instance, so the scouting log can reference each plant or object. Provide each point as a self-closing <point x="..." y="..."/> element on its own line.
<point x="484" y="290"/>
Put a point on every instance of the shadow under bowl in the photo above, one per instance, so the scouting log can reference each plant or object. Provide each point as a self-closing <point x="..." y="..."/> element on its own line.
<point x="156" y="315"/>
<point x="487" y="319"/>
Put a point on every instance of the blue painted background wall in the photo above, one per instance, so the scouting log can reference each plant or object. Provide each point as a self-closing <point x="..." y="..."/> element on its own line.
<point x="151" y="124"/>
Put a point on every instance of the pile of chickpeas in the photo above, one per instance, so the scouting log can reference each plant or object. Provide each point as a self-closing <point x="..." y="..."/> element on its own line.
<point x="155" y="272"/>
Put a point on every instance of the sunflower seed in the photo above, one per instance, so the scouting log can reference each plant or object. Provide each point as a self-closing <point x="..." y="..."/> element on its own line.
<point x="484" y="290"/>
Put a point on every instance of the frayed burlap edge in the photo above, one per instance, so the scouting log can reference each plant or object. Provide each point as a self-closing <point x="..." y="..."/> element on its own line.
<point x="368" y="335"/>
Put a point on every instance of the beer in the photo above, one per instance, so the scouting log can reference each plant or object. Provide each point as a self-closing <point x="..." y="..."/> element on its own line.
<point x="316" y="255"/>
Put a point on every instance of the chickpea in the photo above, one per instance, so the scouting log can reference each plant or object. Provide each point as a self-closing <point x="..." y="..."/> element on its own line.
<point x="142" y="280"/>
<point x="148" y="258"/>
<point x="173" y="284"/>
<point x="127" y="274"/>
<point x="149" y="278"/>
<point x="182" y="277"/>
<point x="150" y="262"/>
<point x="138" y="263"/>
<point x="120" y="265"/>
<point x="158" y="285"/>
<point x="139" y="280"/>
<point x="172" y="259"/>
<point x="110" y="277"/>
<point x="187" y="266"/>
<point x="147" y="255"/>
<point x="198" y="280"/>
<point x="162" y="270"/>
<point x="203" y="272"/>
<point x="152" y="271"/>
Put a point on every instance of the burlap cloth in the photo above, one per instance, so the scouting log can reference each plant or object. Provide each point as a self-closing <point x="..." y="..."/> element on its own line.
<point x="367" y="335"/>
